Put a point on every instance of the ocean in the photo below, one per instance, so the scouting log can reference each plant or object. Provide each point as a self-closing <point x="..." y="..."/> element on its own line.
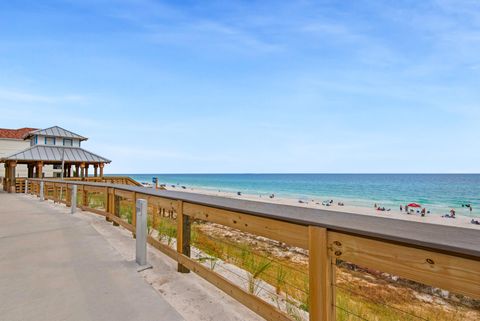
<point x="438" y="192"/>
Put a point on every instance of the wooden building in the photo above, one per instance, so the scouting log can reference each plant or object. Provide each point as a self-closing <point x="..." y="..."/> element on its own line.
<point x="52" y="146"/>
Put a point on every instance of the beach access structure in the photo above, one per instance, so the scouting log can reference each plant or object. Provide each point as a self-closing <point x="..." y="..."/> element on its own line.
<point x="53" y="146"/>
<point x="440" y="256"/>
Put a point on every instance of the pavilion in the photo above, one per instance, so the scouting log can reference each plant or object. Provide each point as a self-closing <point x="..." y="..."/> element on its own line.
<point x="53" y="146"/>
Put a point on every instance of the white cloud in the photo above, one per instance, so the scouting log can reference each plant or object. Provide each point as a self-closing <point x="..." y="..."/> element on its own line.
<point x="13" y="95"/>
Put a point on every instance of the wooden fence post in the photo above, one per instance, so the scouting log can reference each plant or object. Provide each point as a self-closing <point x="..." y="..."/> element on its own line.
<point x="84" y="196"/>
<point x="108" y="204"/>
<point x="183" y="235"/>
<point x="116" y="206"/>
<point x="320" y="276"/>
<point x="134" y="214"/>
<point x="68" y="196"/>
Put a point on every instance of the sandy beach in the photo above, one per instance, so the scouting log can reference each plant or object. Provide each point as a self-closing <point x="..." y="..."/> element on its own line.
<point x="461" y="221"/>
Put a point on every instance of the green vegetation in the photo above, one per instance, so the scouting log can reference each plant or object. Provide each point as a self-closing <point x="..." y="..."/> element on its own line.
<point x="280" y="277"/>
<point x="256" y="266"/>
<point x="126" y="211"/>
<point x="167" y="230"/>
<point x="96" y="200"/>
<point x="149" y="224"/>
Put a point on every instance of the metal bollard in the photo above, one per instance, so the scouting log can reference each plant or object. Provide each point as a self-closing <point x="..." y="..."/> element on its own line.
<point x="26" y="186"/>
<point x="73" y="207"/>
<point x="42" y="196"/>
<point x="141" y="230"/>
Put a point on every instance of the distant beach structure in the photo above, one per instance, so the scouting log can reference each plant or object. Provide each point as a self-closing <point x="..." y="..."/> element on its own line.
<point x="49" y="152"/>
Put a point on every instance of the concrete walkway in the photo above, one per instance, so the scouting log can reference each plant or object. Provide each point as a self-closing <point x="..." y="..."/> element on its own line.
<point x="54" y="266"/>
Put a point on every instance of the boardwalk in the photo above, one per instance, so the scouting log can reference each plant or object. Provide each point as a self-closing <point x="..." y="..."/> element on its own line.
<point x="57" y="267"/>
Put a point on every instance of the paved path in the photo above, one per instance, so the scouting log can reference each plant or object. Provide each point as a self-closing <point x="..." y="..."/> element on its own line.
<point x="54" y="266"/>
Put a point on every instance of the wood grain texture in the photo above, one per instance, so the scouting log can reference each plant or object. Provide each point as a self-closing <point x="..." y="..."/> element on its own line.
<point x="320" y="276"/>
<point x="291" y="234"/>
<point x="456" y="274"/>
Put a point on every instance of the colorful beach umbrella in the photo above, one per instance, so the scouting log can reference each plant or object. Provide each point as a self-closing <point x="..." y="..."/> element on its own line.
<point x="414" y="205"/>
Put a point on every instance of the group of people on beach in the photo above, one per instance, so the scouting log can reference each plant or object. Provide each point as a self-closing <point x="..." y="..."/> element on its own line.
<point x="330" y="203"/>
<point x="452" y="214"/>
<point x="409" y="210"/>
<point x="382" y="209"/>
<point x="469" y="206"/>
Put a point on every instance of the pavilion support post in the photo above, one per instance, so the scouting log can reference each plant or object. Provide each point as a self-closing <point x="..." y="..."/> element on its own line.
<point x="95" y="170"/>
<point x="82" y="170"/>
<point x="101" y="169"/>
<point x="6" y="178"/>
<point x="77" y="170"/>
<point x="39" y="170"/>
<point x="30" y="171"/>
<point x="69" y="170"/>
<point x="12" y="184"/>
<point x="86" y="170"/>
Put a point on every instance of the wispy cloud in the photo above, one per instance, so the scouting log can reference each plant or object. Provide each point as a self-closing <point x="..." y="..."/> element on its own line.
<point x="207" y="34"/>
<point x="13" y="95"/>
<point x="164" y="24"/>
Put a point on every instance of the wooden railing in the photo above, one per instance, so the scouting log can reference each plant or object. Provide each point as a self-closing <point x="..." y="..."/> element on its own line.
<point x="124" y="180"/>
<point x="435" y="255"/>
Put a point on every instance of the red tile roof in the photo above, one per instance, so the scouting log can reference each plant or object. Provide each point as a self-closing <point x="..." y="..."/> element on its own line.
<point x="15" y="133"/>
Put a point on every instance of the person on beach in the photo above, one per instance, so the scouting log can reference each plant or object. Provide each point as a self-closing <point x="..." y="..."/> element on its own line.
<point x="452" y="213"/>
<point x="401" y="208"/>
<point x="375" y="206"/>
<point x="406" y="209"/>
<point x="471" y="209"/>
<point x="423" y="211"/>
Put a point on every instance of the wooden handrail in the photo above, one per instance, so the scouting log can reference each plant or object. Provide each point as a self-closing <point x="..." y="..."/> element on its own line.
<point x="443" y="238"/>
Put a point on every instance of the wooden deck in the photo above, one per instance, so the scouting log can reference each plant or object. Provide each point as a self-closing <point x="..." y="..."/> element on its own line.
<point x="55" y="266"/>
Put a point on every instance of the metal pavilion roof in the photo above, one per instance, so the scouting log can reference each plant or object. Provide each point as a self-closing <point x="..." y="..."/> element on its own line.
<point x="55" y="131"/>
<point x="47" y="153"/>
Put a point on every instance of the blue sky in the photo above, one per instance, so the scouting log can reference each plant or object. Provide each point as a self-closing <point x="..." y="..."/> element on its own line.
<point x="250" y="86"/>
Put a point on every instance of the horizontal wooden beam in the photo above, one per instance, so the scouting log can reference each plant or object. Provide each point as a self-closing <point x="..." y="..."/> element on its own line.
<point x="159" y="201"/>
<point x="125" y="194"/>
<point x="452" y="273"/>
<point x="93" y="210"/>
<point x="291" y="234"/>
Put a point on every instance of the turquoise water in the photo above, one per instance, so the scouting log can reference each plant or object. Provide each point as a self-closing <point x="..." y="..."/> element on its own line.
<point x="437" y="192"/>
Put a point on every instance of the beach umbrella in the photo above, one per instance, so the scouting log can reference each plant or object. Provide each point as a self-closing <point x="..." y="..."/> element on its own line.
<point x="414" y="205"/>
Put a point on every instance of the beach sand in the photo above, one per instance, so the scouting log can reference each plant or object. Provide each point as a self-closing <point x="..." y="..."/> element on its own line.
<point x="461" y="221"/>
